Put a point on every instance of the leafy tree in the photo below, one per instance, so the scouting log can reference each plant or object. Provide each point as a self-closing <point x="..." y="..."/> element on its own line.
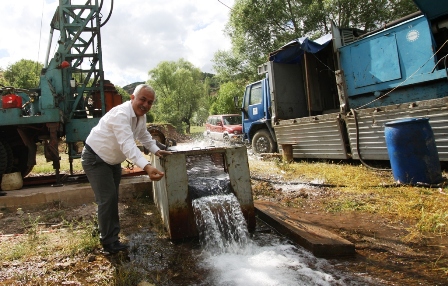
<point x="224" y="103"/>
<point x="150" y="117"/>
<point x="231" y="66"/>
<point x="124" y="95"/>
<point x="363" y="15"/>
<point x="210" y="89"/>
<point x="3" y="81"/>
<point x="23" y="74"/>
<point x="258" y="27"/>
<point x="179" y="88"/>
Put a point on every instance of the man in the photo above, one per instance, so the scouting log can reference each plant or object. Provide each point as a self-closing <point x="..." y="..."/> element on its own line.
<point x="110" y="143"/>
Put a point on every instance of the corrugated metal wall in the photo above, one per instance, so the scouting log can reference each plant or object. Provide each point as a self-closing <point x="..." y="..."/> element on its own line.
<point x="313" y="137"/>
<point x="372" y="144"/>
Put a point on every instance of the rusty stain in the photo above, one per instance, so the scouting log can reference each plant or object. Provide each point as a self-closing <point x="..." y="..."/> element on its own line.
<point x="181" y="220"/>
<point x="182" y="224"/>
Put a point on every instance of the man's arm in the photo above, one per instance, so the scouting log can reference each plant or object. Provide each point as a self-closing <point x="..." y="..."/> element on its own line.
<point x="153" y="173"/>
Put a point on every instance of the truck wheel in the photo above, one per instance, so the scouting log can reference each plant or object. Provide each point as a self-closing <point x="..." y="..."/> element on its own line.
<point x="3" y="159"/>
<point x="20" y="153"/>
<point x="157" y="135"/>
<point x="263" y="142"/>
<point x="9" y="155"/>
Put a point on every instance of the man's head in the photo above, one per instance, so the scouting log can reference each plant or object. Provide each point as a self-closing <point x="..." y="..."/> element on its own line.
<point x="142" y="99"/>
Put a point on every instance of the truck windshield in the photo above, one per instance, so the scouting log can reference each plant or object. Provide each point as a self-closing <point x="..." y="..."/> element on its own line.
<point x="232" y="120"/>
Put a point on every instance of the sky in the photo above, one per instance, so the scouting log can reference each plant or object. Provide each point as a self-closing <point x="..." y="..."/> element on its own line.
<point x="139" y="35"/>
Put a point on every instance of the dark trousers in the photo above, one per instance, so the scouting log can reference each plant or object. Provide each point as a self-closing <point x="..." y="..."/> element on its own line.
<point x="105" y="181"/>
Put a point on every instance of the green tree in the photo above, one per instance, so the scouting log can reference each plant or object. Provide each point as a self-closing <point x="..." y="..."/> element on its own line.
<point x="124" y="95"/>
<point x="23" y="74"/>
<point x="210" y="89"/>
<point x="362" y="15"/>
<point x="231" y="66"/>
<point x="258" y="27"/>
<point x="179" y="88"/>
<point x="224" y="103"/>
<point x="3" y="81"/>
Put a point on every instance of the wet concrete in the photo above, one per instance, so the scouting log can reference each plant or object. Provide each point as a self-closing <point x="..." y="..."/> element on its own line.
<point x="319" y="241"/>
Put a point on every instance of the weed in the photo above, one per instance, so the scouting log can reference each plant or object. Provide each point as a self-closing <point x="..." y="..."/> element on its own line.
<point x="15" y="252"/>
<point x="433" y="221"/>
<point x="282" y="165"/>
<point x="360" y="189"/>
<point x="128" y="275"/>
<point x="346" y="204"/>
<point x="32" y="226"/>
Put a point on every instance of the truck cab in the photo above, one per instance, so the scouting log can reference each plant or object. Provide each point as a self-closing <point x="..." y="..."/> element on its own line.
<point x="256" y="117"/>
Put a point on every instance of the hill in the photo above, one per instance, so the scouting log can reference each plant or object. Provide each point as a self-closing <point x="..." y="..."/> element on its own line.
<point x="130" y="87"/>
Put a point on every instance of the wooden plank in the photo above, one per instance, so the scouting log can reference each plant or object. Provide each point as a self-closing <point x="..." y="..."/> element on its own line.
<point x="319" y="241"/>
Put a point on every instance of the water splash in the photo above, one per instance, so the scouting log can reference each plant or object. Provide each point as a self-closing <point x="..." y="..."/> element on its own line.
<point x="221" y="224"/>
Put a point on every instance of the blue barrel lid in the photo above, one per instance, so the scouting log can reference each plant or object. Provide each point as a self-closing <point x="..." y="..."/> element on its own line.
<point x="407" y="120"/>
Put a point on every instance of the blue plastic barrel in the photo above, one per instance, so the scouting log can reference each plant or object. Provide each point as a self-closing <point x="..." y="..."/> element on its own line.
<point x="412" y="151"/>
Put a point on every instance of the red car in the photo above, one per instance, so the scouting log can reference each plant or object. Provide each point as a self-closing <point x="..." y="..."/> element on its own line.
<point x="224" y="127"/>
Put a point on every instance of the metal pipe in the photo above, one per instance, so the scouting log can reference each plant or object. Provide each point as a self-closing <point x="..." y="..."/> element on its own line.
<point x="48" y="48"/>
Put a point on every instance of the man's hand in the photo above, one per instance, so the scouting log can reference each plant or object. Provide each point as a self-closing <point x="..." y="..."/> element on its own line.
<point x="153" y="173"/>
<point x="161" y="153"/>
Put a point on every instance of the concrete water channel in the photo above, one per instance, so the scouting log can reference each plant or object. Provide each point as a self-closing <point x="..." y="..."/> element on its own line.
<point x="206" y="193"/>
<point x="270" y="247"/>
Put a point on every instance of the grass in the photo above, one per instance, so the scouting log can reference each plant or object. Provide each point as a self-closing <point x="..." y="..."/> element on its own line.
<point x="197" y="132"/>
<point x="360" y="189"/>
<point x="43" y="167"/>
<point x="71" y="240"/>
<point x="355" y="189"/>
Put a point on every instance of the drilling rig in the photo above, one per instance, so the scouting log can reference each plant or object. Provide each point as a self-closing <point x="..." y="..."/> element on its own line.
<point x="71" y="97"/>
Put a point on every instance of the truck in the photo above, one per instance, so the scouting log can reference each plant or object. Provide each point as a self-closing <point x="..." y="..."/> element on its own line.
<point x="71" y="97"/>
<point x="330" y="98"/>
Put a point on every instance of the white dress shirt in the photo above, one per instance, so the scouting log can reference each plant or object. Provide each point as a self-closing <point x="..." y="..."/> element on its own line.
<point x="113" y="138"/>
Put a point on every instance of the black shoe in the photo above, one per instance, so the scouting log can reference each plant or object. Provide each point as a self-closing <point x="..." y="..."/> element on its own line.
<point x="115" y="247"/>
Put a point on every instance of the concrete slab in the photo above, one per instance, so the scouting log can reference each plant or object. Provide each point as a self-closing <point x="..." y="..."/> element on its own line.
<point x="71" y="194"/>
<point x="320" y="242"/>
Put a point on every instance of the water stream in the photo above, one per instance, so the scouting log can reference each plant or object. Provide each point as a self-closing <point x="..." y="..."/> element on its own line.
<point x="226" y="254"/>
<point x="236" y="258"/>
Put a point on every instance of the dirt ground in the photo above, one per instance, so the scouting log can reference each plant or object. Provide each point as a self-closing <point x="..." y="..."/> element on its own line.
<point x="380" y="250"/>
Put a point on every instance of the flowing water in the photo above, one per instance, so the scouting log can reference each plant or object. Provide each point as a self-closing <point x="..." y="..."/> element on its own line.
<point x="235" y="257"/>
<point x="226" y="253"/>
<point x="221" y="224"/>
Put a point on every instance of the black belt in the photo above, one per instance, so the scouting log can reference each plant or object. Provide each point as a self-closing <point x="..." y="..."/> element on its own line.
<point x="89" y="149"/>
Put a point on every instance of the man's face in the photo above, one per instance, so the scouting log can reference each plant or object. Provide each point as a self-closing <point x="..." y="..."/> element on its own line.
<point x="142" y="102"/>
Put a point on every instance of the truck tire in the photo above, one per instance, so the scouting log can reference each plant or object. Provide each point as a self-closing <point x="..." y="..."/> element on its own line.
<point x="20" y="153"/>
<point x="3" y="160"/>
<point x="9" y="155"/>
<point x="263" y="142"/>
<point x="157" y="134"/>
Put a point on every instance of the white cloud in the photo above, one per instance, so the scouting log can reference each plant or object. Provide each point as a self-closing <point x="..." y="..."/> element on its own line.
<point x="138" y="36"/>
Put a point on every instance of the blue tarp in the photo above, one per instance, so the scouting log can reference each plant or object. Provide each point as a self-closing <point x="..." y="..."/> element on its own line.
<point x="432" y="9"/>
<point x="292" y="52"/>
